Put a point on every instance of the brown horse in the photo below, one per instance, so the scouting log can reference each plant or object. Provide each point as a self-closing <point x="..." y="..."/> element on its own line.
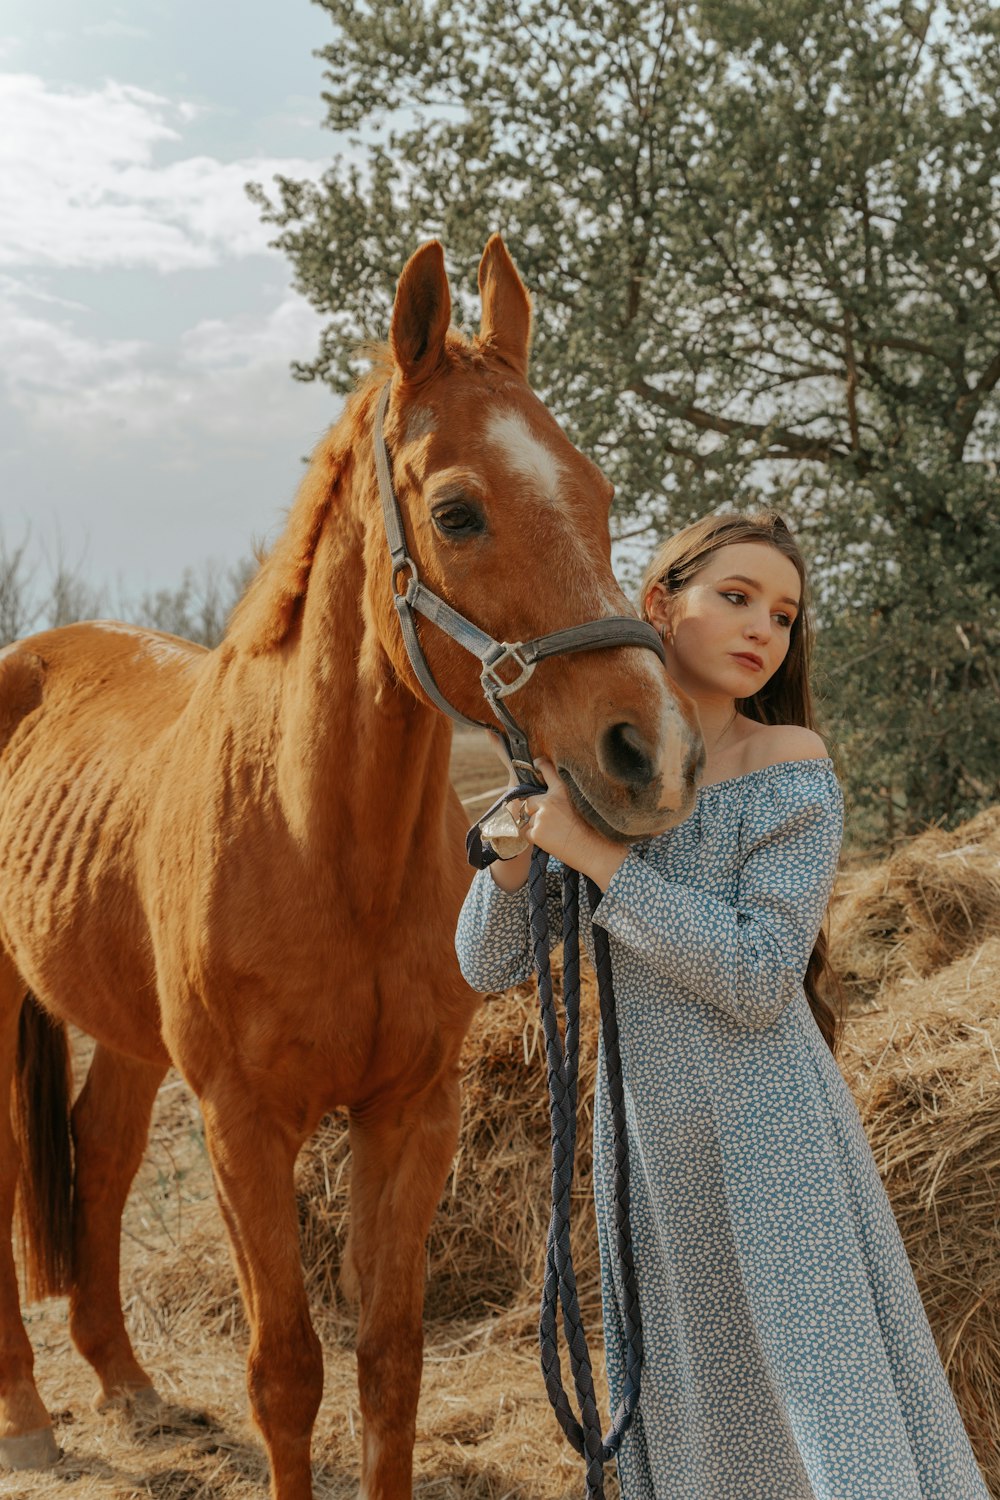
<point x="248" y="862"/>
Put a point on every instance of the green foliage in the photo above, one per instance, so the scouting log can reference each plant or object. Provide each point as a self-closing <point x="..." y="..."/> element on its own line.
<point x="763" y="242"/>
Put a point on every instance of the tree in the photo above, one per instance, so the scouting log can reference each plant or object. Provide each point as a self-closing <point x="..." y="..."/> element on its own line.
<point x="28" y="602"/>
<point x="197" y="609"/>
<point x="763" y="242"/>
<point x="17" y="609"/>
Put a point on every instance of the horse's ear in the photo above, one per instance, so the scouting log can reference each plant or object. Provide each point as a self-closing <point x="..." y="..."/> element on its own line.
<point x="506" y="322"/>
<point x="421" y="313"/>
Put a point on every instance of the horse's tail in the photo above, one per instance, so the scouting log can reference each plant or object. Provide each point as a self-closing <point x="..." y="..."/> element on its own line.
<point x="40" y="1112"/>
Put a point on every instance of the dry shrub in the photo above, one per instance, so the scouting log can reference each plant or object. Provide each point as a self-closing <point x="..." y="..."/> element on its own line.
<point x="925" y="1069"/>
<point x="486" y="1246"/>
<point x="920" y="909"/>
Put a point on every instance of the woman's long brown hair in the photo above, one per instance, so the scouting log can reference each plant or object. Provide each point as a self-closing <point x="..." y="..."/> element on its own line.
<point x="785" y="699"/>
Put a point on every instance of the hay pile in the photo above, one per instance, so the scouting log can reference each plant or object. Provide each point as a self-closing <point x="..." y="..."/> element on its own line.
<point x="926" y="1075"/>
<point x="921" y="909"/>
<point x="917" y="939"/>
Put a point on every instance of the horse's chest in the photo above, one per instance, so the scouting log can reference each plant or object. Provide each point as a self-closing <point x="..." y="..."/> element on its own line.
<point x="324" y="999"/>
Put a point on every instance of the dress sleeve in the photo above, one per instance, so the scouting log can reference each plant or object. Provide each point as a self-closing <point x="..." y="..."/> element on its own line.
<point x="493" y="938"/>
<point x="746" y="957"/>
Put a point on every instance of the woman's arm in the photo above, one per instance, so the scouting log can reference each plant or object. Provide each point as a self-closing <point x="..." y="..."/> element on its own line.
<point x="747" y="957"/>
<point x="511" y="874"/>
<point x="492" y="939"/>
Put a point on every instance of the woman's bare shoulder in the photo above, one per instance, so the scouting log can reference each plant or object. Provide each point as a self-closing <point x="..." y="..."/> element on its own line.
<point x="771" y="744"/>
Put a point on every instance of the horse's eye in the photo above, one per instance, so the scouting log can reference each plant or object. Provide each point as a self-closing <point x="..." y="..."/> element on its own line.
<point x="457" y="519"/>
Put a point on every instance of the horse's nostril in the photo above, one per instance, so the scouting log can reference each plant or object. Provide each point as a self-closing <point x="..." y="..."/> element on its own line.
<point x="624" y="755"/>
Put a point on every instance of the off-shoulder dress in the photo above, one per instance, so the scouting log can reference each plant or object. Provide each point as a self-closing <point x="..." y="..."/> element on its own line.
<point x="787" y="1353"/>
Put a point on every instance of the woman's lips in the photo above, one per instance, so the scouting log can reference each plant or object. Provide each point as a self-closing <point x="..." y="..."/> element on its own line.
<point x="747" y="659"/>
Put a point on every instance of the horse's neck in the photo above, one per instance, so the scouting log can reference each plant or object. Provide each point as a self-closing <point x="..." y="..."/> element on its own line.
<point x="363" y="765"/>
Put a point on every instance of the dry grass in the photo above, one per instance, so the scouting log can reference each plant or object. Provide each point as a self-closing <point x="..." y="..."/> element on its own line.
<point x="926" y="1074"/>
<point x="919" y="938"/>
<point x="919" y="910"/>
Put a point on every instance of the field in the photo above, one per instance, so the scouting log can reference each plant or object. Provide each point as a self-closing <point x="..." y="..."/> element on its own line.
<point x="918" y="937"/>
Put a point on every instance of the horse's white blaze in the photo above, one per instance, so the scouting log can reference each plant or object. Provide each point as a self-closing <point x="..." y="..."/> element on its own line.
<point x="537" y="463"/>
<point x="526" y="453"/>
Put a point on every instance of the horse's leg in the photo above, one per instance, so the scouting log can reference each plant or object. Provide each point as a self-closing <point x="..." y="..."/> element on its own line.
<point x="26" y="1439"/>
<point x="253" y="1159"/>
<point x="110" y="1127"/>
<point x="399" y="1164"/>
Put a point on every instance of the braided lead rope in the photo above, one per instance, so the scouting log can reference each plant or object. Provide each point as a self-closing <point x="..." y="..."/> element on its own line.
<point x="560" y="1283"/>
<point x="562" y="1057"/>
<point x="621" y="1192"/>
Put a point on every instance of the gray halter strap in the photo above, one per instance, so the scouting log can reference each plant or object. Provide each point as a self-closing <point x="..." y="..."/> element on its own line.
<point x="520" y="657"/>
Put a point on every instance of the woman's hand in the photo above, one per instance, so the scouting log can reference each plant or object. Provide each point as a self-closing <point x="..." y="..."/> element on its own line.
<point x="555" y="826"/>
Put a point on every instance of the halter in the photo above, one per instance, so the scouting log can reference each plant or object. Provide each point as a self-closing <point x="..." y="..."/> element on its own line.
<point x="521" y="656"/>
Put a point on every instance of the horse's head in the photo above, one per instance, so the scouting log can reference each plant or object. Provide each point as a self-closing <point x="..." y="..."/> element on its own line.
<point x="508" y="523"/>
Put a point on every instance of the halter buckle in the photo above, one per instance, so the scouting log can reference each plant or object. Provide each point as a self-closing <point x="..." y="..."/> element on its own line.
<point x="495" y="686"/>
<point x="400" y="566"/>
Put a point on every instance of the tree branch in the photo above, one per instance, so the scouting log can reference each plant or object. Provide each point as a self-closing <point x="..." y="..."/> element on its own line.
<point x="968" y="405"/>
<point x="794" y="445"/>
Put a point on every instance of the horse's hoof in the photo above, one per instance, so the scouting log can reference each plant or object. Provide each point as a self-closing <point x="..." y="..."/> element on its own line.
<point x="146" y="1401"/>
<point x="32" y="1450"/>
<point x="142" y="1401"/>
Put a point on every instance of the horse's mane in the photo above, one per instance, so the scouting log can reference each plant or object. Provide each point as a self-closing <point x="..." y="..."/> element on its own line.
<point x="268" y="610"/>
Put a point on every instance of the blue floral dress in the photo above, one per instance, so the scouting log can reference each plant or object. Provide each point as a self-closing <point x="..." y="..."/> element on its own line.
<point x="787" y="1353"/>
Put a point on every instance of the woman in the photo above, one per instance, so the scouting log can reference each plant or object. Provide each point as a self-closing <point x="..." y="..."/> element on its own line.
<point x="787" y="1354"/>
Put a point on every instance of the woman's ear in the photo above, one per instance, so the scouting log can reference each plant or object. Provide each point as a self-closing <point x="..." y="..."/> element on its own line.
<point x="658" y="611"/>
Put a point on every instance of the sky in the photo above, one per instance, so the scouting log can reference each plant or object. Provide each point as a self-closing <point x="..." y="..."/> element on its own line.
<point x="148" y="419"/>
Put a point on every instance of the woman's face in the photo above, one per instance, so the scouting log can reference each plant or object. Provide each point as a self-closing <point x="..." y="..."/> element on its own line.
<point x="729" y="630"/>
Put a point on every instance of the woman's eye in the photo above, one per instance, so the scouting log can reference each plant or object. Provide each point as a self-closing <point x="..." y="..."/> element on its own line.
<point x="458" y="520"/>
<point x="784" y="621"/>
<point x="735" y="596"/>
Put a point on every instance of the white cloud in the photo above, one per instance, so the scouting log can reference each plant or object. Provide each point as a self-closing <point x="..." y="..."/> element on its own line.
<point x="115" y="29"/>
<point x="141" y="458"/>
<point x="219" y="377"/>
<point x="14" y="288"/>
<point x="42" y="357"/>
<point x="80" y="186"/>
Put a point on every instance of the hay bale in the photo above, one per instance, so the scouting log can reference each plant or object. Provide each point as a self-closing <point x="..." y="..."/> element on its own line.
<point x="191" y="1283"/>
<point x="919" y="910"/>
<point x="925" y="1070"/>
